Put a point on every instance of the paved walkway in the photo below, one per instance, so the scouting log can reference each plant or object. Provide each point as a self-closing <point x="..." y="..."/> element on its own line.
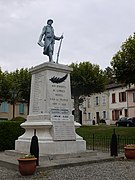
<point x="72" y="166"/>
<point x="9" y="159"/>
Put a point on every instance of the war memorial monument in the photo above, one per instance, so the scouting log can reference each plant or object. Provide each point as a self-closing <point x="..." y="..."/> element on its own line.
<point x="50" y="111"/>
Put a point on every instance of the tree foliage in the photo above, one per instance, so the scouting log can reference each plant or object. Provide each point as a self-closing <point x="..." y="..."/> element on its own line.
<point x="110" y="75"/>
<point x="86" y="79"/>
<point x="123" y="62"/>
<point x="17" y="82"/>
<point x="4" y="85"/>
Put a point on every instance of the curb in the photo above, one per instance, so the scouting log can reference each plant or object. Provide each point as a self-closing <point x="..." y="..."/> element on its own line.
<point x="81" y="163"/>
<point x="8" y="165"/>
<point x="68" y="162"/>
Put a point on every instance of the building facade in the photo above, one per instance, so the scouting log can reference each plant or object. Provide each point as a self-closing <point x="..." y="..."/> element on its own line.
<point x="131" y="101"/>
<point x="95" y="107"/>
<point x="7" y="111"/>
<point x="117" y="101"/>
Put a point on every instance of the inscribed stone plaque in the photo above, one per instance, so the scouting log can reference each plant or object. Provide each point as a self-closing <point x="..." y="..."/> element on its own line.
<point x="63" y="130"/>
<point x="37" y="92"/>
<point x="59" y="114"/>
<point x="59" y="95"/>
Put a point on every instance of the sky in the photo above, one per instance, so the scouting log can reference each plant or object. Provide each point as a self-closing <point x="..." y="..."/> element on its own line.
<point x="94" y="30"/>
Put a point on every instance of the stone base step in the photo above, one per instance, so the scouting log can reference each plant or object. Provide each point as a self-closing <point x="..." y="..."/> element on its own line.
<point x="87" y="153"/>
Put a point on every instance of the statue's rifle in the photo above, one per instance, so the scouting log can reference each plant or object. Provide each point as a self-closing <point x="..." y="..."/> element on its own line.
<point x="58" y="53"/>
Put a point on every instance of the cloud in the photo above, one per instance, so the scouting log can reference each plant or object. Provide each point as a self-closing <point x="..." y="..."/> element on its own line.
<point x="93" y="30"/>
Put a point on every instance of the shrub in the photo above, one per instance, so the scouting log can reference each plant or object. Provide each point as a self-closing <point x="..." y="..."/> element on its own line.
<point x="19" y="118"/>
<point x="9" y="132"/>
<point x="3" y="119"/>
<point x="103" y="121"/>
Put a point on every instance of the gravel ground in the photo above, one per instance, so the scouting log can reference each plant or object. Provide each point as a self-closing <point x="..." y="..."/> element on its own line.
<point x="116" y="170"/>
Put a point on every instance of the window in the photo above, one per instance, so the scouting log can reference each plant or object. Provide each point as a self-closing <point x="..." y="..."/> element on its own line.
<point x="133" y="96"/>
<point x="122" y="96"/>
<point x="113" y="98"/>
<point x="126" y="113"/>
<point x="96" y="101"/>
<point x="120" y="112"/>
<point x="104" y="114"/>
<point x="21" y="108"/>
<point x="103" y="100"/>
<point x="113" y="113"/>
<point x="88" y="102"/>
<point x="97" y="117"/>
<point x="4" y="107"/>
<point x="89" y="116"/>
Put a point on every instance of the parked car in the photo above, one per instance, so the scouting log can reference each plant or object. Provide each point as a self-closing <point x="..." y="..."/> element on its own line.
<point x="126" y="121"/>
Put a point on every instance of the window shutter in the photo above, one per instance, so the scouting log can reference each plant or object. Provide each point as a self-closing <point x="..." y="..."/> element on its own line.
<point x="4" y="107"/>
<point x="21" y="108"/>
<point x="133" y="96"/>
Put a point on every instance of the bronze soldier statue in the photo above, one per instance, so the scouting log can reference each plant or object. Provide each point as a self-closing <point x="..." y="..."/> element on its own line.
<point x="49" y="38"/>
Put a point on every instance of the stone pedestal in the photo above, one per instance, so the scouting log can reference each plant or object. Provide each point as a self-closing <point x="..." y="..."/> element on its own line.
<point x="51" y="113"/>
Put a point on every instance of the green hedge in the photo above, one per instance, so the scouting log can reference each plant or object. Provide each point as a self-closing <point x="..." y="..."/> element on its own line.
<point x="19" y="118"/>
<point x="9" y="132"/>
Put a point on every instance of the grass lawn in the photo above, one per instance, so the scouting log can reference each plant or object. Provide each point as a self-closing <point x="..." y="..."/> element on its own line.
<point x="103" y="134"/>
<point x="104" y="130"/>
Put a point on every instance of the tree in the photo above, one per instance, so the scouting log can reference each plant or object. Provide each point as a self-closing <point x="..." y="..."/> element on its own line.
<point x="86" y="79"/>
<point x="110" y="75"/>
<point x="15" y="86"/>
<point x="4" y="86"/>
<point x="123" y="62"/>
<point x="20" y="86"/>
<point x="24" y="83"/>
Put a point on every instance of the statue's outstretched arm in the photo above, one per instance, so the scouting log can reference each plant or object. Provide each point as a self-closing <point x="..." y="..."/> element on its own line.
<point x="58" y="38"/>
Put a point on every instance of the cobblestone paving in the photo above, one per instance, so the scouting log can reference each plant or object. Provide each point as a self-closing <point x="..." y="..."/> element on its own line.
<point x="116" y="170"/>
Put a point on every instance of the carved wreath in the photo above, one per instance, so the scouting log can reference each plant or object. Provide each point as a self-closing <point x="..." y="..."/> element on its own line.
<point x="58" y="80"/>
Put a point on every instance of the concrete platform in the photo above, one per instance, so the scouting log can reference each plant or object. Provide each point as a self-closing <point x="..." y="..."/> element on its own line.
<point x="8" y="159"/>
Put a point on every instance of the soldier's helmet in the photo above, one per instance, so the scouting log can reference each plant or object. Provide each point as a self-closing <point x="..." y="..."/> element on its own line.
<point x="49" y="20"/>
